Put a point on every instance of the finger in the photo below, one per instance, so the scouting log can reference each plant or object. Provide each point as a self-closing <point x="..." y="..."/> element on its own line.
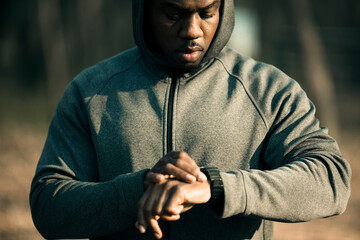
<point x="197" y="173"/>
<point x="173" y="209"/>
<point x="156" y="228"/>
<point x="140" y="227"/>
<point x="153" y="207"/>
<point x="173" y="202"/>
<point x="184" y="171"/>
<point x="167" y="191"/>
<point x="141" y="223"/>
<point x="178" y="173"/>
<point x="178" y="165"/>
<point x="155" y="177"/>
<point x="171" y="217"/>
<point x="183" y="161"/>
<point x="158" y="204"/>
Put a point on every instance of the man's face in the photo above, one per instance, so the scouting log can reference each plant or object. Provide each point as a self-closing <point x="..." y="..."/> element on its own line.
<point x="182" y="30"/>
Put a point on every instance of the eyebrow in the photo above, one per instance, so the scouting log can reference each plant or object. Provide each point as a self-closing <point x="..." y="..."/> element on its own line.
<point x="177" y="7"/>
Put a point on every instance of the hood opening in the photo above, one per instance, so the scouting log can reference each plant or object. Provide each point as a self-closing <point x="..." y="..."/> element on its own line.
<point x="222" y="35"/>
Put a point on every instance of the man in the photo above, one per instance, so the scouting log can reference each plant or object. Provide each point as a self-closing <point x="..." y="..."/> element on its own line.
<point x="123" y="155"/>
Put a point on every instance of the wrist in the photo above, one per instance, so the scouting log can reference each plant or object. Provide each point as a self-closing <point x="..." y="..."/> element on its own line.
<point x="197" y="193"/>
<point x="146" y="183"/>
<point x="207" y="190"/>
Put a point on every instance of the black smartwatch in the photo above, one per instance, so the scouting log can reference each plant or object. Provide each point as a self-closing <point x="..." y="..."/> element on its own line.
<point x="216" y="188"/>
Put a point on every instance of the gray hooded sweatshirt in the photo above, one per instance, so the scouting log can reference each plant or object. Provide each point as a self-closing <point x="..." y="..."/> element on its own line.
<point x="119" y="117"/>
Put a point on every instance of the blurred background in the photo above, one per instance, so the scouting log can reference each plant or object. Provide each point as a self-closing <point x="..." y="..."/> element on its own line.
<point x="45" y="44"/>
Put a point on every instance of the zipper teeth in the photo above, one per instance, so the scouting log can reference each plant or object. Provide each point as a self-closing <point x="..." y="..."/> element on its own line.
<point x="170" y="113"/>
<point x="169" y="142"/>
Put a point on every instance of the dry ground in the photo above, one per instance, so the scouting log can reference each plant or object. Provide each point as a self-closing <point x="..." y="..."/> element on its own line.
<point x="20" y="148"/>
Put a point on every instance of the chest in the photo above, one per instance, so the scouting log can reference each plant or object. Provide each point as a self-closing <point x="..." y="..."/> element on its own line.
<point x="216" y="124"/>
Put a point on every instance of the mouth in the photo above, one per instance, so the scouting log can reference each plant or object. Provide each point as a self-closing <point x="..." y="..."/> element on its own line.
<point x="190" y="49"/>
<point x="189" y="54"/>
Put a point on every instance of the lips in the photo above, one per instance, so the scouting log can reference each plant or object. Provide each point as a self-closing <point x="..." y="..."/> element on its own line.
<point x="190" y="49"/>
<point x="189" y="53"/>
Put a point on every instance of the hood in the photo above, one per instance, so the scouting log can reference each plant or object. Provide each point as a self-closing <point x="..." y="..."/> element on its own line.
<point x="219" y="41"/>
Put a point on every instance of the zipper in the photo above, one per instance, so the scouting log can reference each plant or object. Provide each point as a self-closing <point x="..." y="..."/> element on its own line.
<point x="170" y="113"/>
<point x="169" y="140"/>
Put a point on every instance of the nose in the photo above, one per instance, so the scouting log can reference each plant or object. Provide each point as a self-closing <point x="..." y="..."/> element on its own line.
<point x="191" y="28"/>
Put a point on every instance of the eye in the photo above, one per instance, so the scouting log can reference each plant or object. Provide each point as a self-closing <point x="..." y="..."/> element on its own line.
<point x="206" y="15"/>
<point x="172" y="17"/>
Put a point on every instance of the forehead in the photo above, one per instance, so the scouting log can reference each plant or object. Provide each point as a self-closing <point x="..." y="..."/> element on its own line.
<point x="190" y="5"/>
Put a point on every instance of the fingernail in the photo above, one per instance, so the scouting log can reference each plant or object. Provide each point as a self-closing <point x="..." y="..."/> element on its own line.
<point x="202" y="177"/>
<point x="157" y="235"/>
<point x="190" y="178"/>
<point x="142" y="229"/>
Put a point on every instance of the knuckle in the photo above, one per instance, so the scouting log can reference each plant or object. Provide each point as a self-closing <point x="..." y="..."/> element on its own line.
<point x="183" y="154"/>
<point x="184" y="176"/>
<point x="175" y="161"/>
<point x="156" y="211"/>
<point x="147" y="210"/>
<point x="195" y="170"/>
<point x="167" y="165"/>
<point x="166" y="160"/>
<point x="170" y="210"/>
<point x="163" y="161"/>
<point x="173" y="153"/>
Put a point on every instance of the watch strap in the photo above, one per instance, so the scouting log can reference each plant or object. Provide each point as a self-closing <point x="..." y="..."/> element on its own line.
<point x="216" y="188"/>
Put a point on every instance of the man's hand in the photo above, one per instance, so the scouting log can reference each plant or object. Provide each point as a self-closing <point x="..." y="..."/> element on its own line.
<point x="176" y="165"/>
<point x="168" y="200"/>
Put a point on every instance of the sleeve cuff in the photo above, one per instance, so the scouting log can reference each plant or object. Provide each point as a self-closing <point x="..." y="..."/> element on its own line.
<point x="235" y="199"/>
<point x="130" y="188"/>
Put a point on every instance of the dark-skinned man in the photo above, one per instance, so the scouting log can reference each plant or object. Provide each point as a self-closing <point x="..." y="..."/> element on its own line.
<point x="183" y="137"/>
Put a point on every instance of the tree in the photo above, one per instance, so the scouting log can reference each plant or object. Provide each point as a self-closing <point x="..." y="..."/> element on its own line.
<point x="318" y="79"/>
<point x="52" y="38"/>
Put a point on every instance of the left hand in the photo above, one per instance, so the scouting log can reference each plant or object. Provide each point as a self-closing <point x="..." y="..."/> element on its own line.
<point x="178" y="165"/>
<point x="168" y="200"/>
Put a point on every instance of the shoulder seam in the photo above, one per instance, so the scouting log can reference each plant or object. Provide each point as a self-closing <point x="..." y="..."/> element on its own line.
<point x="261" y="114"/>
<point x="101" y="68"/>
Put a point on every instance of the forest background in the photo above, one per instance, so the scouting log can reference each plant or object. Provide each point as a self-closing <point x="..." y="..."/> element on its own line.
<point x="44" y="44"/>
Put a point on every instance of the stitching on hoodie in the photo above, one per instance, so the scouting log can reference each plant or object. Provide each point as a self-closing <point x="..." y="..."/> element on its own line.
<point x="261" y="114"/>
<point x="102" y="68"/>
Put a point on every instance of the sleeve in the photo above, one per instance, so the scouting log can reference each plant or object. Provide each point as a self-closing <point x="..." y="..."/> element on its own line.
<point x="67" y="200"/>
<point x="308" y="178"/>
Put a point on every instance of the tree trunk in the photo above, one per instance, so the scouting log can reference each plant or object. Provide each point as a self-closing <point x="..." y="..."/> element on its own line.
<point x="318" y="80"/>
<point x="91" y="23"/>
<point x="52" y="38"/>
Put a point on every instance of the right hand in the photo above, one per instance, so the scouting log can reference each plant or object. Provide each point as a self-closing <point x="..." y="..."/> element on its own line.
<point x="168" y="200"/>
<point x="177" y="165"/>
